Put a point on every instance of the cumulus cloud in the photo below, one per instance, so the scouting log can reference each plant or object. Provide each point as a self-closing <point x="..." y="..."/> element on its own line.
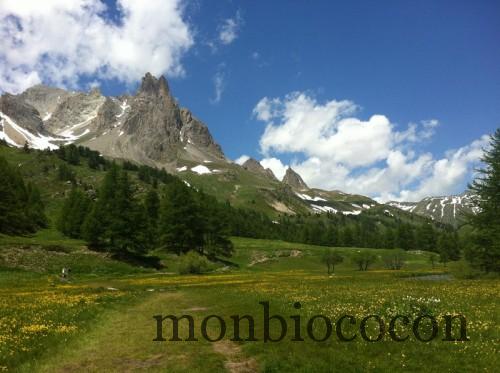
<point x="242" y="159"/>
<point x="278" y="168"/>
<point x="228" y="30"/>
<point x="59" y="41"/>
<point x="369" y="157"/>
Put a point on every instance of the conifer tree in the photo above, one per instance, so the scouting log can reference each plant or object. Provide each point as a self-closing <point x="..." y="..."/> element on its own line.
<point x="21" y="207"/>
<point x="74" y="211"/>
<point x="214" y="222"/>
<point x="35" y="207"/>
<point x="180" y="224"/>
<point x="13" y="195"/>
<point x="484" y="252"/>
<point x="117" y="221"/>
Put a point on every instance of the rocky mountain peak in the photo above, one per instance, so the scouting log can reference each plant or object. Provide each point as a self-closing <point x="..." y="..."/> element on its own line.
<point x="293" y="179"/>
<point x="153" y="86"/>
<point x="149" y="127"/>
<point x="254" y="166"/>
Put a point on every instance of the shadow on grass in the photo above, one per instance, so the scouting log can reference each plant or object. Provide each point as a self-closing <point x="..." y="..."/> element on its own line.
<point x="138" y="260"/>
<point x="225" y="262"/>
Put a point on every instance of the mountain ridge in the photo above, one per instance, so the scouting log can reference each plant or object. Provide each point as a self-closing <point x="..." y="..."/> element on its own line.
<point x="151" y="128"/>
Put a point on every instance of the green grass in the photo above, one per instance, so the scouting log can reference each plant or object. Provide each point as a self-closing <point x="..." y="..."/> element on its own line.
<point x="86" y="325"/>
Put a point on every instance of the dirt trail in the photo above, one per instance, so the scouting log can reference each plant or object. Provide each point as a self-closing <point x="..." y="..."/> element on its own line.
<point x="235" y="361"/>
<point x="122" y="341"/>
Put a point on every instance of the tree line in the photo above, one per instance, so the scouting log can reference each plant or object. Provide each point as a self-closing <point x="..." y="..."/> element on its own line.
<point x="173" y="216"/>
<point x="21" y="206"/>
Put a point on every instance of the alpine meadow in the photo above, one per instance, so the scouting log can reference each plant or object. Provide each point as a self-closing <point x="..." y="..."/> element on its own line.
<point x="281" y="223"/>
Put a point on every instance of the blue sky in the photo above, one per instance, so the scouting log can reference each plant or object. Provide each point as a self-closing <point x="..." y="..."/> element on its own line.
<point x="408" y="61"/>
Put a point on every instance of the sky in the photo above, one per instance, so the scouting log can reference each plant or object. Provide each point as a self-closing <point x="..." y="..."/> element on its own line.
<point x="390" y="99"/>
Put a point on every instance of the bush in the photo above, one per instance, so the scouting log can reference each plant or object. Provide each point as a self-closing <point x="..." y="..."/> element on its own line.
<point x="194" y="263"/>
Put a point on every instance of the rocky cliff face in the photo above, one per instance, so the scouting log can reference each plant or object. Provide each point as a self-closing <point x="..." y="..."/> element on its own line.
<point x="21" y="113"/>
<point x="75" y="111"/>
<point x="294" y="180"/>
<point x="253" y="166"/>
<point x="44" y="99"/>
<point x="149" y="127"/>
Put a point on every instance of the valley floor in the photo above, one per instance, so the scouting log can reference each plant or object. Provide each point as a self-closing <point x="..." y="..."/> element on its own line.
<point x="105" y="323"/>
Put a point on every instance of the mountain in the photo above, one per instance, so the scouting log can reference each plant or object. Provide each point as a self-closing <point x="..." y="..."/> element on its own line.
<point x="294" y="180"/>
<point x="151" y="128"/>
<point x="254" y="166"/>
<point x="148" y="128"/>
<point x="445" y="209"/>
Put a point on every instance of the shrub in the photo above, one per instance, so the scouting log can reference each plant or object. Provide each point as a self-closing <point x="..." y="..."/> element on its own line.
<point x="194" y="263"/>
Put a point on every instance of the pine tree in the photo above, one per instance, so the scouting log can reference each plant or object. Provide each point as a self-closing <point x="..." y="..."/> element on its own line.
<point x="485" y="250"/>
<point x="426" y="237"/>
<point x="92" y="228"/>
<point x="13" y="194"/>
<point x="127" y="223"/>
<point x="215" y="228"/>
<point x="180" y="224"/>
<point x="73" y="213"/>
<point x="117" y="221"/>
<point x="35" y="207"/>
<point x="21" y="206"/>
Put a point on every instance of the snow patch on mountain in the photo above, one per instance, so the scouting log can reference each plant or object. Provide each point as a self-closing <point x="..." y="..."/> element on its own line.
<point x="405" y="206"/>
<point x="201" y="170"/>
<point x="306" y="197"/>
<point x="124" y="106"/>
<point x="69" y="131"/>
<point x="318" y="208"/>
<point x="38" y="141"/>
<point x="357" y="212"/>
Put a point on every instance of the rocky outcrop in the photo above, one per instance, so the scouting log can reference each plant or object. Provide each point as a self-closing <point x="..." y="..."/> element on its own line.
<point x="78" y="109"/>
<point x="195" y="132"/>
<point x="22" y="113"/>
<point x="44" y="99"/>
<point x="154" y="121"/>
<point x="254" y="166"/>
<point x="108" y="115"/>
<point x="148" y="127"/>
<point x="294" y="180"/>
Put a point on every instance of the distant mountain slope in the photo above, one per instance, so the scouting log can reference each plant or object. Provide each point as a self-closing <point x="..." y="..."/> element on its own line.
<point x="151" y="128"/>
<point x="446" y="209"/>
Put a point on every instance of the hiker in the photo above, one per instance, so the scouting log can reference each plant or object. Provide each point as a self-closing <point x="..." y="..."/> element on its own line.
<point x="65" y="273"/>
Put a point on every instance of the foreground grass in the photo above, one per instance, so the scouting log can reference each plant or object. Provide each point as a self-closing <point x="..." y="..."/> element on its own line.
<point x="106" y="323"/>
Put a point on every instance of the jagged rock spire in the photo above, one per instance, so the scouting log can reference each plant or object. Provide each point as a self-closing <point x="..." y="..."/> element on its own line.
<point x="293" y="179"/>
<point x="253" y="165"/>
<point x="152" y="85"/>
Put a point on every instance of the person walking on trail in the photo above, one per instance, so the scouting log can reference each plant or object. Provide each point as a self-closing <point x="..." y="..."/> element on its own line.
<point x="65" y="273"/>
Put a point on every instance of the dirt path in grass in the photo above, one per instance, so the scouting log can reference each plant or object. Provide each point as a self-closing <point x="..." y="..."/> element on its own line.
<point x="122" y="341"/>
<point x="235" y="361"/>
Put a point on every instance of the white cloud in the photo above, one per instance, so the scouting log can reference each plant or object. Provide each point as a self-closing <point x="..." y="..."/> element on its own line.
<point x="242" y="159"/>
<point x="267" y="109"/>
<point x="276" y="166"/>
<point x="219" y="81"/>
<point x="59" y="41"/>
<point x="228" y="31"/>
<point x="359" y="156"/>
